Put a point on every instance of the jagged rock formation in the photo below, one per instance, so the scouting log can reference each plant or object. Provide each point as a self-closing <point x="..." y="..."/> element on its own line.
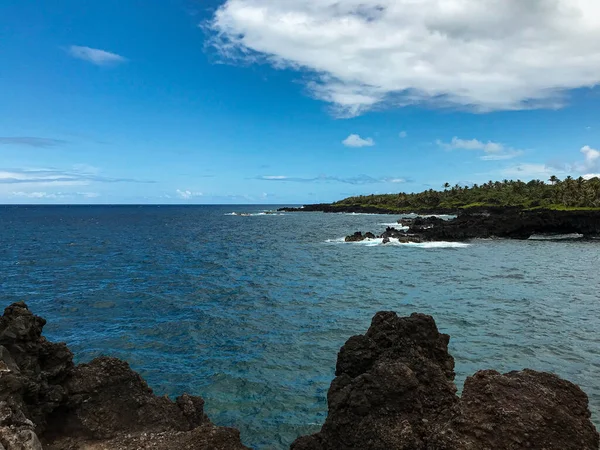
<point x="507" y="223"/>
<point x="46" y="399"/>
<point x="394" y="390"/>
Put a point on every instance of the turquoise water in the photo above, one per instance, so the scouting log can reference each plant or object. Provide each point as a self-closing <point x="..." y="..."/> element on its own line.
<point x="250" y="311"/>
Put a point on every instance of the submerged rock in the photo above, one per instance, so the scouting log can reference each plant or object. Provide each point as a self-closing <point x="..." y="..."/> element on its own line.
<point x="394" y="389"/>
<point x="46" y="399"/>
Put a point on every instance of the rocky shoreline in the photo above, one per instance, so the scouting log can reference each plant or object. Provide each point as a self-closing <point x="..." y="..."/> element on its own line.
<point x="492" y="223"/>
<point x="394" y="390"/>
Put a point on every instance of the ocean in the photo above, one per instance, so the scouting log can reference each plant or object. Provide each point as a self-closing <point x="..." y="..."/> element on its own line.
<point x="250" y="311"/>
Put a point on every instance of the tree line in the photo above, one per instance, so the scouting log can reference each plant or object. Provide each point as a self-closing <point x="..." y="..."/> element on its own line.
<point x="553" y="194"/>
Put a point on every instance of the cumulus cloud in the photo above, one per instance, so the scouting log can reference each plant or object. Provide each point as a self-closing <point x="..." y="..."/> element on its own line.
<point x="591" y="159"/>
<point x="354" y="140"/>
<point x="95" y="56"/>
<point x="30" y="141"/>
<point x="481" y="55"/>
<point x="360" y="179"/>
<point x="187" y="194"/>
<point x="494" y="151"/>
<point x="589" y="176"/>
<point x="588" y="168"/>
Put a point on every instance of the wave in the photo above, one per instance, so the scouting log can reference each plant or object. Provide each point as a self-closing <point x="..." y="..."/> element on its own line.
<point x="254" y="214"/>
<point x="439" y="216"/>
<point x="439" y="244"/>
<point x="555" y="237"/>
<point x="395" y="242"/>
<point x="395" y="225"/>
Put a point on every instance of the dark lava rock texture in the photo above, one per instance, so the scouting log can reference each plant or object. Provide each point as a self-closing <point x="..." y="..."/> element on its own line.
<point x="394" y="390"/>
<point x="45" y="400"/>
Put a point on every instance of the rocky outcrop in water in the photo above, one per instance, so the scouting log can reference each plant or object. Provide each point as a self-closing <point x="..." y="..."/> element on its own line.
<point x="515" y="224"/>
<point x="394" y="389"/>
<point x="46" y="399"/>
<point x="507" y="223"/>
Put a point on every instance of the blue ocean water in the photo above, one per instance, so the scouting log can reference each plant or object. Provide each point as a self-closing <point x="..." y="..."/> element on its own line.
<point x="250" y="311"/>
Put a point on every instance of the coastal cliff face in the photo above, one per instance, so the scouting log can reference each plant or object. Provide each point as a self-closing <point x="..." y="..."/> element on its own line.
<point x="46" y="400"/>
<point x="394" y="390"/>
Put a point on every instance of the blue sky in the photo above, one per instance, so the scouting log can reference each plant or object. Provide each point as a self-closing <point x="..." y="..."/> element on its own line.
<point x="303" y="101"/>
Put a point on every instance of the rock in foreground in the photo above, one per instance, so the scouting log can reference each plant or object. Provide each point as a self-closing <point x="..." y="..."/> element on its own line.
<point x="46" y="399"/>
<point x="394" y="389"/>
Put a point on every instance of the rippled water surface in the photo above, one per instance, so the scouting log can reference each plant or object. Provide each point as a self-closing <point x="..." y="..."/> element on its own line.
<point x="250" y="311"/>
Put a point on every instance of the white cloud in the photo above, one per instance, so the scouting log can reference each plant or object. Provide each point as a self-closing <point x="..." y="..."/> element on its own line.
<point x="471" y="144"/>
<point x="403" y="134"/>
<point x="587" y="168"/>
<point x="79" y="175"/>
<point x="187" y="194"/>
<point x="494" y="151"/>
<point x="591" y="159"/>
<point x="528" y="171"/>
<point x="54" y="195"/>
<point x="356" y="180"/>
<point x="354" y="140"/>
<point x="95" y="56"/>
<point x="362" y="54"/>
<point x="510" y="154"/>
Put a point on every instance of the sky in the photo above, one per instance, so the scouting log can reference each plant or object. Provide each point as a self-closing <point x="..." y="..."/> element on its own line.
<point x="291" y="101"/>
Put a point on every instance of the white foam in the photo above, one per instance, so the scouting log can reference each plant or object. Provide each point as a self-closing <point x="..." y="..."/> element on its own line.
<point x="336" y="241"/>
<point x="556" y="237"/>
<point x="397" y="226"/>
<point x="254" y="214"/>
<point x="439" y="216"/>
<point x="439" y="244"/>
<point x="395" y="242"/>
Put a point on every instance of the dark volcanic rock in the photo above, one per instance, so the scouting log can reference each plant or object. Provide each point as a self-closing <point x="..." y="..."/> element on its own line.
<point x="516" y="410"/>
<point x="514" y="224"/>
<point x="100" y="405"/>
<point x="401" y="235"/>
<point x="390" y="385"/>
<point x="394" y="390"/>
<point x="358" y="236"/>
<point x="510" y="223"/>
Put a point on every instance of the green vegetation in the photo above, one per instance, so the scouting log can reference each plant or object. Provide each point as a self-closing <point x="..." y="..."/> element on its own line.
<point x="568" y="194"/>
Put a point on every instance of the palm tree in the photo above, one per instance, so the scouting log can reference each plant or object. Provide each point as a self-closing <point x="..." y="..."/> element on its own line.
<point x="446" y="185"/>
<point x="554" y="179"/>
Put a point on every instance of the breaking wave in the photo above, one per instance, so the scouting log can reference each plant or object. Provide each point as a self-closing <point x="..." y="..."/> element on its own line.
<point x="395" y="242"/>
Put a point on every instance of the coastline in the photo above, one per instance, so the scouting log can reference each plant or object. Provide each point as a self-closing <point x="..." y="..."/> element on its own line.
<point x="481" y="222"/>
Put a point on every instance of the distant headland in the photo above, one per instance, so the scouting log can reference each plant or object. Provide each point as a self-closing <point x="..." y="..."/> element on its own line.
<point x="555" y="194"/>
<point x="503" y="209"/>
